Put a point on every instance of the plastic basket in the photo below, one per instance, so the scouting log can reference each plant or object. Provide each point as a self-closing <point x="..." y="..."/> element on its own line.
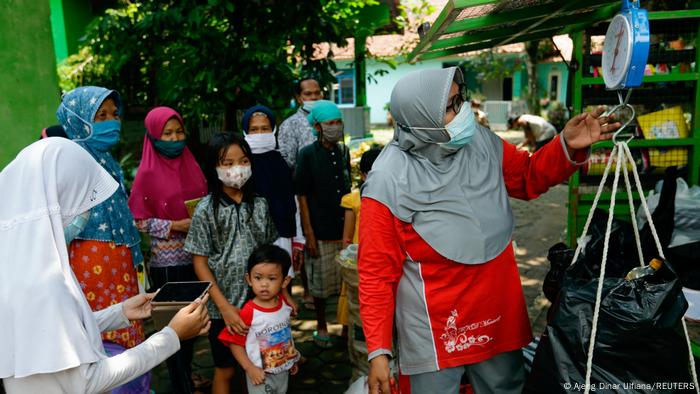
<point x="667" y="123"/>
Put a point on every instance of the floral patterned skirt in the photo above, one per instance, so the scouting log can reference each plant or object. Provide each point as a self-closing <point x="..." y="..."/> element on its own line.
<point x="107" y="276"/>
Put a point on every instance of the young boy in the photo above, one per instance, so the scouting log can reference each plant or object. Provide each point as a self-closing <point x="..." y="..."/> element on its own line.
<point x="267" y="352"/>
<point x="322" y="177"/>
<point x="351" y="201"/>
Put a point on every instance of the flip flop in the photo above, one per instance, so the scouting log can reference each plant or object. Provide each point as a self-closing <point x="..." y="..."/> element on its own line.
<point x="309" y="305"/>
<point x="325" y="342"/>
<point x="200" y="381"/>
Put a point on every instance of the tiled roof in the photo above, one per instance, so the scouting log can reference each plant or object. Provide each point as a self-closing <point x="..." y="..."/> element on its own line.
<point x="392" y="45"/>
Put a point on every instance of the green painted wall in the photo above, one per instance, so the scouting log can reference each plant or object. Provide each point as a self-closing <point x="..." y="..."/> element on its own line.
<point x="69" y="18"/>
<point x="28" y="81"/>
<point x="78" y="14"/>
<point x="544" y="70"/>
<point x="518" y="77"/>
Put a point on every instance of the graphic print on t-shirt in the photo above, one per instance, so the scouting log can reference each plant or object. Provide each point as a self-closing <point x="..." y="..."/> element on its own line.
<point x="276" y="348"/>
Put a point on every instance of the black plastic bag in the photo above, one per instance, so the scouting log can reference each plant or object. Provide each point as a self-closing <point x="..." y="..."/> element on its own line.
<point x="685" y="259"/>
<point x="640" y="343"/>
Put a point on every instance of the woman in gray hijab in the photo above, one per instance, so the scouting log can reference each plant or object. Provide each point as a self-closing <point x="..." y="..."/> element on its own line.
<point x="435" y="239"/>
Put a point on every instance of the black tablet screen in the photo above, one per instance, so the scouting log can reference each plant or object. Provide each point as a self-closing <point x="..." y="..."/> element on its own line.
<point x="180" y="291"/>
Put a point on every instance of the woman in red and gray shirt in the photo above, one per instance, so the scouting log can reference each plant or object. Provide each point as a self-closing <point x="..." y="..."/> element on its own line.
<point x="435" y="239"/>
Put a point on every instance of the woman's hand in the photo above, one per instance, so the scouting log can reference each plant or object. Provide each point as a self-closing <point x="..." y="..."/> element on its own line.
<point x="182" y="226"/>
<point x="298" y="259"/>
<point x="232" y="318"/>
<point x="311" y="245"/>
<point x="191" y="320"/>
<point x="138" y="307"/>
<point x="379" y="379"/>
<point x="293" y="304"/>
<point x="294" y="369"/>
<point x="256" y="375"/>
<point x="588" y="128"/>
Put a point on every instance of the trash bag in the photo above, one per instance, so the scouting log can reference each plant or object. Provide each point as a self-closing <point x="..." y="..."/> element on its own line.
<point x="685" y="205"/>
<point x="622" y="249"/>
<point x="676" y="215"/>
<point x="639" y="344"/>
<point x="359" y="386"/>
<point x="622" y="243"/>
<point x="559" y="257"/>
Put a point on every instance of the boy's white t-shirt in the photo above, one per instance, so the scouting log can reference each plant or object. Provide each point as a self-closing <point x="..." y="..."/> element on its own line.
<point x="269" y="343"/>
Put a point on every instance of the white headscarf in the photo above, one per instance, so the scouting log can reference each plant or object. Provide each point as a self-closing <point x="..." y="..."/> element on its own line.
<point x="47" y="324"/>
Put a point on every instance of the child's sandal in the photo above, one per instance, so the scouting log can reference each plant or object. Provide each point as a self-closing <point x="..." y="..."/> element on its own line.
<point x="323" y="341"/>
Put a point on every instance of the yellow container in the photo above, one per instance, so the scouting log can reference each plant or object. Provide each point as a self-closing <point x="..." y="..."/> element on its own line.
<point x="598" y="161"/>
<point x="668" y="157"/>
<point x="667" y="123"/>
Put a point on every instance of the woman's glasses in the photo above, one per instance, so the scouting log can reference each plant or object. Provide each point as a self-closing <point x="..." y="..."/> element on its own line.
<point x="458" y="99"/>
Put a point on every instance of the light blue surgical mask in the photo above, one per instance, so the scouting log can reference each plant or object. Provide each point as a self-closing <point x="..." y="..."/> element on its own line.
<point x="76" y="226"/>
<point x="308" y="105"/>
<point x="105" y="134"/>
<point x="461" y="128"/>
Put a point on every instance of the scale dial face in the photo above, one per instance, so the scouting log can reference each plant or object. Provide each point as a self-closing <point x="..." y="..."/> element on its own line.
<point x="617" y="52"/>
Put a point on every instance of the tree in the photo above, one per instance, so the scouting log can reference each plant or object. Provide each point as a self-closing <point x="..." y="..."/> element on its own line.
<point x="211" y="57"/>
<point x="536" y="52"/>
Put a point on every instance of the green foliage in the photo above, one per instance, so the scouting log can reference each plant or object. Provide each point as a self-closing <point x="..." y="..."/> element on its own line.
<point x="211" y="57"/>
<point x="491" y="65"/>
<point x="557" y="114"/>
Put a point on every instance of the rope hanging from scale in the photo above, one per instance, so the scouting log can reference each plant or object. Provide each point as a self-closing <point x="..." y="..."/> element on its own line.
<point x="621" y="155"/>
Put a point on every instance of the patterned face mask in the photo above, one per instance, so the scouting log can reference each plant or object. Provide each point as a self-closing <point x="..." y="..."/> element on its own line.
<point x="235" y="176"/>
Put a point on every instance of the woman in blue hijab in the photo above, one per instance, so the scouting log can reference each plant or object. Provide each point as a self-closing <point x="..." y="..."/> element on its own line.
<point x="105" y="256"/>
<point x="273" y="180"/>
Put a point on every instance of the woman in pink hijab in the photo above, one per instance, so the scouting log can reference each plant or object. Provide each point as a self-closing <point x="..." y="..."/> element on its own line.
<point x="167" y="177"/>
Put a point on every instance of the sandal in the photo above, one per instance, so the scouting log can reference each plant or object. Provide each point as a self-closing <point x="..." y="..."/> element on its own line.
<point x="323" y="341"/>
<point x="199" y="381"/>
<point x="309" y="305"/>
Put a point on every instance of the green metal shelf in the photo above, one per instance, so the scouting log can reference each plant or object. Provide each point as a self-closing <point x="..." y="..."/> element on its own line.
<point x="666" y="15"/>
<point x="606" y="196"/>
<point x="641" y="143"/>
<point x="580" y="203"/>
<point x="648" y="78"/>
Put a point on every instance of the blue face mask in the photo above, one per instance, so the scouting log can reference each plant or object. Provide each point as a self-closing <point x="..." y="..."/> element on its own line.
<point x="76" y="226"/>
<point x="169" y="149"/>
<point x="462" y="128"/>
<point x="105" y="134"/>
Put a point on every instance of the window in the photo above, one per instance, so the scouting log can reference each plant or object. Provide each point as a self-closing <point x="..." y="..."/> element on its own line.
<point x="554" y="87"/>
<point x="344" y="89"/>
<point x="507" y="94"/>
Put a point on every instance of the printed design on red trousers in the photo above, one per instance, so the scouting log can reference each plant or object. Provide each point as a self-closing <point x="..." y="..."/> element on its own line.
<point x="460" y="338"/>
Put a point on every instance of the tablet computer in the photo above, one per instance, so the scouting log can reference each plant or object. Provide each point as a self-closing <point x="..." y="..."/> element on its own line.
<point x="172" y="297"/>
<point x="181" y="292"/>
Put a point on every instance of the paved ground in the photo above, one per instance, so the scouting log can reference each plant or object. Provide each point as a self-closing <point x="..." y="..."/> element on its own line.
<point x="539" y="224"/>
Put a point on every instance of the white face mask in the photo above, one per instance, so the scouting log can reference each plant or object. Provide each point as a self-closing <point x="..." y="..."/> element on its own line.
<point x="261" y="142"/>
<point x="308" y="105"/>
<point x="235" y="176"/>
